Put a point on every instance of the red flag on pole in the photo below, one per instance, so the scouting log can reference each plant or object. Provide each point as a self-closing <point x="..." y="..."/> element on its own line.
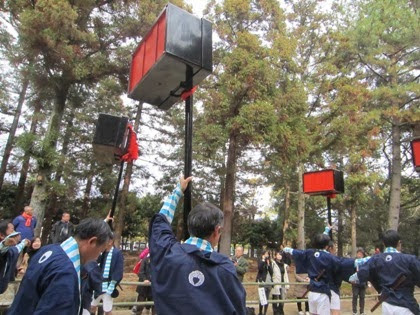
<point x="133" y="148"/>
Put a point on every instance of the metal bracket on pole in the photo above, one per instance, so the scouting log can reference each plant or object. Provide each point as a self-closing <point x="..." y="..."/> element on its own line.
<point x="188" y="146"/>
<point x="329" y="214"/>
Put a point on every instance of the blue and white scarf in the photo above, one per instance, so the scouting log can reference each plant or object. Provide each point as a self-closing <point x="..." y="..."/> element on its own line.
<point x="106" y="270"/>
<point x="71" y="248"/>
<point x="200" y="243"/>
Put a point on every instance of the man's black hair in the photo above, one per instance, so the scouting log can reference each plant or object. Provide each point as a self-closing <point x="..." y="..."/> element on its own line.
<point x="390" y="238"/>
<point x="92" y="227"/>
<point x="203" y="219"/>
<point x="321" y="241"/>
<point x="3" y="226"/>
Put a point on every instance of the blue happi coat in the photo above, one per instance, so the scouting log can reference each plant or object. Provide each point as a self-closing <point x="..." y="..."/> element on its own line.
<point x="91" y="281"/>
<point x="8" y="262"/>
<point x="116" y="270"/>
<point x="50" y="285"/>
<point x="312" y="262"/>
<point x="382" y="270"/>
<point x="187" y="280"/>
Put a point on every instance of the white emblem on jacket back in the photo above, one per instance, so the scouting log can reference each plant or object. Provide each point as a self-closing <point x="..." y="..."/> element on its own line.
<point x="196" y="278"/>
<point x="45" y="256"/>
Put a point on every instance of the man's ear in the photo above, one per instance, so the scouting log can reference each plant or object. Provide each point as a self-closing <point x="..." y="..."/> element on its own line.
<point x="93" y="241"/>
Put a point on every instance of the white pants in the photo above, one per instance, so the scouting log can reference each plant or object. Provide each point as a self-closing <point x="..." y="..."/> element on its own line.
<point x="335" y="301"/>
<point x="106" y="300"/>
<point x="319" y="303"/>
<point x="389" y="309"/>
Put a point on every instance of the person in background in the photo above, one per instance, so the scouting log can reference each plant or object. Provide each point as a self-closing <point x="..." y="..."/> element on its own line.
<point x="265" y="275"/>
<point x="62" y="230"/>
<point x="301" y="290"/>
<point x="144" y="291"/>
<point x="386" y="269"/>
<point x="30" y="251"/>
<point x="25" y="223"/>
<point x="191" y="278"/>
<point x="240" y="263"/>
<point x="111" y="263"/>
<point x="91" y="276"/>
<point x="279" y="275"/>
<point x="52" y="282"/>
<point x="359" y="289"/>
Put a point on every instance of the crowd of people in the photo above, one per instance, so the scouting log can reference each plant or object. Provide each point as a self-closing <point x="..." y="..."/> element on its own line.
<point x="82" y="268"/>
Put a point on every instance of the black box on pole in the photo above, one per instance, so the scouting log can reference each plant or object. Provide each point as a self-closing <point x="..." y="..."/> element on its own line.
<point x="178" y="39"/>
<point x="110" y="139"/>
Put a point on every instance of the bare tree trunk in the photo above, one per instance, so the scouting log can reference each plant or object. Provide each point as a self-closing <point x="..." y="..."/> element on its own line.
<point x="353" y="215"/>
<point x="40" y="193"/>
<point x="20" y="193"/>
<point x="9" y="144"/>
<point x="395" y="198"/>
<point x="86" y="193"/>
<point x="286" y="211"/>
<point x="340" y="233"/>
<point x="226" y="238"/>
<point x="127" y="178"/>
<point x="301" y="210"/>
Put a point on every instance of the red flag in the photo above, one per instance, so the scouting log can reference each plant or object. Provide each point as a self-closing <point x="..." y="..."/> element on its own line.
<point x="187" y="94"/>
<point x="133" y="148"/>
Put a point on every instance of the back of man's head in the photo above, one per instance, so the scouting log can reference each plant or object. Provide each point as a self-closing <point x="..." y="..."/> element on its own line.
<point x="3" y="227"/>
<point x="390" y="238"/>
<point x="321" y="241"/>
<point x="92" y="227"/>
<point x="203" y="219"/>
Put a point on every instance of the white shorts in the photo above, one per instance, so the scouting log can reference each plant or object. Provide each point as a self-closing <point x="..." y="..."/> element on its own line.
<point x="107" y="301"/>
<point x="335" y="301"/>
<point x="319" y="303"/>
<point x="389" y="309"/>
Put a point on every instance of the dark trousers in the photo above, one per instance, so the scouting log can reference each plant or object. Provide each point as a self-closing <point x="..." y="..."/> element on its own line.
<point x="299" y="306"/>
<point x="358" y="291"/>
<point x="277" y="307"/>
<point x="144" y="295"/>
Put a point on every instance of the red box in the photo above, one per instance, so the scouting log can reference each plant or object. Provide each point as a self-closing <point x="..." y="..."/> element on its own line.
<point x="159" y="64"/>
<point x="325" y="182"/>
<point x="415" y="147"/>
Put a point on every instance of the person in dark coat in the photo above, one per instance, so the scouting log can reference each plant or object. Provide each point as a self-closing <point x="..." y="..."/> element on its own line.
<point x="91" y="281"/>
<point x="144" y="292"/>
<point x="111" y="264"/>
<point x="265" y="274"/>
<point x="52" y="282"/>
<point x="192" y="278"/>
<point x="384" y="271"/>
<point x="62" y="230"/>
<point x="359" y="289"/>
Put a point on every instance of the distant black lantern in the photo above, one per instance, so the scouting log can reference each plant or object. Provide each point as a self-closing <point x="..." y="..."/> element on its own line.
<point x="177" y="40"/>
<point x="415" y="148"/>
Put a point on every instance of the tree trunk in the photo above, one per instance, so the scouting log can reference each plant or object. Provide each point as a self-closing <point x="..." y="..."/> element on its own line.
<point x="12" y="132"/>
<point x="353" y="215"/>
<point x="40" y="192"/>
<point x="20" y="192"/>
<point x="127" y="178"/>
<point x="301" y="210"/>
<point x="286" y="212"/>
<point x="53" y="203"/>
<point x="86" y="194"/>
<point x="228" y="198"/>
<point x="395" y="198"/>
<point x="340" y="233"/>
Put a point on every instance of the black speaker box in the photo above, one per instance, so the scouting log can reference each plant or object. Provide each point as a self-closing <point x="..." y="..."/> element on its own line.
<point x="110" y="140"/>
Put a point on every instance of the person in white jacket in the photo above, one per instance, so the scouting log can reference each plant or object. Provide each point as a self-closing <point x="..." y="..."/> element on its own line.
<point x="279" y="290"/>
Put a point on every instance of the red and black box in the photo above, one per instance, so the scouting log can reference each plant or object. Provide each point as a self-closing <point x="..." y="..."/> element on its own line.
<point x="325" y="182"/>
<point x="159" y="64"/>
<point x="415" y="148"/>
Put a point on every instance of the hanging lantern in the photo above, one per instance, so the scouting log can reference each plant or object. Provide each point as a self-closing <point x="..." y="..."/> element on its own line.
<point x="326" y="182"/>
<point x="415" y="148"/>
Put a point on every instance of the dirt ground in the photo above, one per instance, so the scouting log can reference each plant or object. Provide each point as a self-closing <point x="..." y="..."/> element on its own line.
<point x="129" y="295"/>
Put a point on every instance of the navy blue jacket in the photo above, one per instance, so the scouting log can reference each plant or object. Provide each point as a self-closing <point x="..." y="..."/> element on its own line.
<point x="25" y="231"/>
<point x="50" y="285"/>
<point x="91" y="281"/>
<point x="382" y="270"/>
<point x="8" y="262"/>
<point x="313" y="261"/>
<point x="186" y="280"/>
<point x="117" y="265"/>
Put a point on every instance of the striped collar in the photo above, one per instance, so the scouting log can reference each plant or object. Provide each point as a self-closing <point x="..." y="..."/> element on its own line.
<point x="390" y="250"/>
<point x="200" y="243"/>
<point x="71" y="248"/>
